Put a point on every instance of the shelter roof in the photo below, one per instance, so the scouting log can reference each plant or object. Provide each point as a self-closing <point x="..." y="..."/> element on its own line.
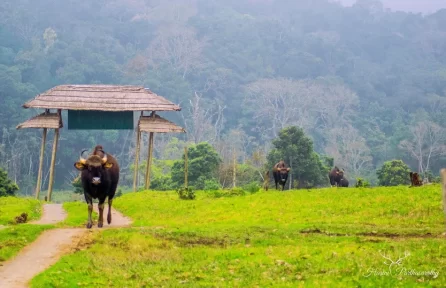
<point x="44" y="120"/>
<point x="102" y="98"/>
<point x="158" y="125"/>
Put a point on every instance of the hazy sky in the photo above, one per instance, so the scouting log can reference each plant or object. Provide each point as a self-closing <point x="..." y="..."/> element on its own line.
<point x="424" y="6"/>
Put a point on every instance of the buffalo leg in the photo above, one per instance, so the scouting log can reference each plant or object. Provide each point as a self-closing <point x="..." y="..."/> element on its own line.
<point x="90" y="210"/>
<point x="101" y="213"/>
<point x="110" y="202"/>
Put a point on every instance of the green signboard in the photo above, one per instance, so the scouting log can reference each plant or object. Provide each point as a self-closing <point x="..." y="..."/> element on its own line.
<point x="100" y="120"/>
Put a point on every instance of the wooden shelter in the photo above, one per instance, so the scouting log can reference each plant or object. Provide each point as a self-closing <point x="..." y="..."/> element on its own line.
<point x="99" y="107"/>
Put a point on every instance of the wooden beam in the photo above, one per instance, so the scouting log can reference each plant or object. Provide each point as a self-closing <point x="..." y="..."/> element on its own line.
<point x="186" y="169"/>
<point x="443" y="182"/>
<point x="136" y="172"/>
<point x="53" y="162"/>
<point x="149" y="156"/>
<point x="234" y="169"/>
<point x="42" y="152"/>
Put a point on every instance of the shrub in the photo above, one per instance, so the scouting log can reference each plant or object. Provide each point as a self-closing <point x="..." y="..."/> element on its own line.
<point x="362" y="183"/>
<point x="393" y="173"/>
<point x="227" y="192"/>
<point x="7" y="187"/>
<point x="252" y="187"/>
<point x="186" y="193"/>
<point x="211" y="184"/>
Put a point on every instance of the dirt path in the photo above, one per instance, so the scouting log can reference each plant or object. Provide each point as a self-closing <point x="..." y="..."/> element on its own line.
<point x="52" y="214"/>
<point x="49" y="247"/>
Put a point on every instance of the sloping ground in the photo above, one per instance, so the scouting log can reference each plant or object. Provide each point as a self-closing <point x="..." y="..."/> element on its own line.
<point x="48" y="248"/>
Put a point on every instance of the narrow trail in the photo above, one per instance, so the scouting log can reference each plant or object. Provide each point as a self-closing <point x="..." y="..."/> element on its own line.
<point x="47" y="249"/>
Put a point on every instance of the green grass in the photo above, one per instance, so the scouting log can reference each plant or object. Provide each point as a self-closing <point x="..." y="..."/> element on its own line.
<point x="10" y="207"/>
<point x="77" y="215"/>
<point x="400" y="210"/>
<point x="147" y="258"/>
<point x="14" y="238"/>
<point x="326" y="237"/>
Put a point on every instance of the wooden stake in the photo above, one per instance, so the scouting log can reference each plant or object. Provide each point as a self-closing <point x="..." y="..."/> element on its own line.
<point x="234" y="169"/>
<point x="186" y="169"/>
<point x="291" y="175"/>
<point x="42" y="152"/>
<point x="443" y="182"/>
<point x="53" y="162"/>
<point x="149" y="157"/>
<point x="136" y="172"/>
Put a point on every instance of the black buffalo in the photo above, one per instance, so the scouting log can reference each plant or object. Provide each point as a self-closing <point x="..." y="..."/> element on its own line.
<point x="335" y="176"/>
<point x="99" y="178"/>
<point x="343" y="182"/>
<point x="280" y="174"/>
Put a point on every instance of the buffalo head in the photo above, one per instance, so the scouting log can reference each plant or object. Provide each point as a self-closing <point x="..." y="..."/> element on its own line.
<point x="95" y="165"/>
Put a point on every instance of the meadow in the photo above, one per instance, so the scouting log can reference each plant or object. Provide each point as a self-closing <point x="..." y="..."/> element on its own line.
<point x="13" y="237"/>
<point x="321" y="237"/>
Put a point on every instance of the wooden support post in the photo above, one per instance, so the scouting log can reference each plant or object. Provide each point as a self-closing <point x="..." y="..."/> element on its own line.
<point x="443" y="182"/>
<point x="186" y="170"/>
<point x="234" y="169"/>
<point x="42" y="152"/>
<point x="149" y="156"/>
<point x="291" y="175"/>
<point x="53" y="162"/>
<point x="136" y="172"/>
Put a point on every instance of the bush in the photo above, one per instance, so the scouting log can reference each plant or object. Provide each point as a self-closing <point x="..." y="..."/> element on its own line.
<point x="7" y="187"/>
<point x="252" y="187"/>
<point x="186" y="193"/>
<point x="77" y="185"/>
<point x="227" y="192"/>
<point x="362" y="183"/>
<point x="211" y="184"/>
<point x="393" y="173"/>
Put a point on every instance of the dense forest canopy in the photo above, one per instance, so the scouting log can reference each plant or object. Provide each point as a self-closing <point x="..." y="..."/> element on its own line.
<point x="366" y="84"/>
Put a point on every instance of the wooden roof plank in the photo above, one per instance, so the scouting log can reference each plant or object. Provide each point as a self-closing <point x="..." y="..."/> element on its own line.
<point x="49" y="120"/>
<point x="101" y="98"/>
<point x="158" y="125"/>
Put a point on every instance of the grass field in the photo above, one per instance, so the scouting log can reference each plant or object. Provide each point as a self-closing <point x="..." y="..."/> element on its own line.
<point x="14" y="237"/>
<point x="10" y="207"/>
<point x="326" y="237"/>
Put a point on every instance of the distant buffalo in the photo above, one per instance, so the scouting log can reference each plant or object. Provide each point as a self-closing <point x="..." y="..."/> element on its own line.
<point x="280" y="173"/>
<point x="337" y="178"/>
<point x="99" y="178"/>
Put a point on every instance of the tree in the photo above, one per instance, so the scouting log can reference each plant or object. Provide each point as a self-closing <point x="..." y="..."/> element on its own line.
<point x="296" y="149"/>
<point x="203" y="162"/>
<point x="393" y="173"/>
<point x="349" y="149"/>
<point x="7" y="187"/>
<point x="177" y="47"/>
<point x="427" y="143"/>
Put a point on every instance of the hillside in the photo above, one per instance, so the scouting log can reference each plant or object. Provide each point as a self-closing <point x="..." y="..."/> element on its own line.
<point x="359" y="80"/>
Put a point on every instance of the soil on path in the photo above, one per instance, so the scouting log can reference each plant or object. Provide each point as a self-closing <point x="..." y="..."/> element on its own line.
<point x="52" y="214"/>
<point x="50" y="246"/>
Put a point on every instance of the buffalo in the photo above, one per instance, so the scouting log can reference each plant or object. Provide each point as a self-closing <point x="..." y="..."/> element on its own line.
<point x="280" y="174"/>
<point x="334" y="176"/>
<point x="99" y="178"/>
<point x="415" y="179"/>
<point x="337" y="178"/>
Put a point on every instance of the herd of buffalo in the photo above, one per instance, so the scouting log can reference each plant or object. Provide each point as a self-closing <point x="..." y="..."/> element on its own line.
<point x="100" y="177"/>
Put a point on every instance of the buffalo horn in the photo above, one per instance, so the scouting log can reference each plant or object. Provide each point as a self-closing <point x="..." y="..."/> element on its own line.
<point x="82" y="159"/>
<point x="104" y="159"/>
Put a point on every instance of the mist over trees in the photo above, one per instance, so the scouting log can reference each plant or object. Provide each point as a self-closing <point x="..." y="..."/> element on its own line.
<point x="367" y="85"/>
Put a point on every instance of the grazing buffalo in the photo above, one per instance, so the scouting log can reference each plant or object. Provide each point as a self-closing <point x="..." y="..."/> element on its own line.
<point x="99" y="178"/>
<point x="415" y="179"/>
<point x="334" y="176"/>
<point x="280" y="174"/>
<point x="343" y="182"/>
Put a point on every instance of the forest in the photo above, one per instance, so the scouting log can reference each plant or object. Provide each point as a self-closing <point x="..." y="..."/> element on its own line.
<point x="365" y="84"/>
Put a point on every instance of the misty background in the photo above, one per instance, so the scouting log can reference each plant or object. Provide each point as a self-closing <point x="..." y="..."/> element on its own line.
<point x="367" y="84"/>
